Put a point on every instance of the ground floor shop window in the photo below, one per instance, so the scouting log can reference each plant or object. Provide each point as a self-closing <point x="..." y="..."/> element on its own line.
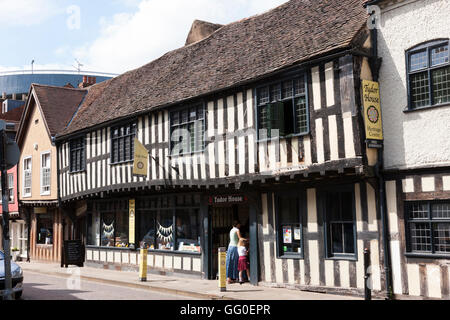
<point x="169" y="223"/>
<point x="188" y="229"/>
<point x="44" y="228"/>
<point x="108" y="224"/>
<point x="428" y="227"/>
<point x="289" y="218"/>
<point x="340" y="223"/>
<point x="164" y="230"/>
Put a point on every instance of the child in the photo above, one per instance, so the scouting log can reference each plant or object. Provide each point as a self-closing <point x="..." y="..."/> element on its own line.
<point x="243" y="259"/>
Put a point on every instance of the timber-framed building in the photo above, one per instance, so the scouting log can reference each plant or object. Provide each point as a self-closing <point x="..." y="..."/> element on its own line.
<point x="259" y="121"/>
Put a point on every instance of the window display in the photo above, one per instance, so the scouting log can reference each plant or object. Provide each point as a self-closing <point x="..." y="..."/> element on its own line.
<point x="164" y="230"/>
<point x="44" y="228"/>
<point x="188" y="230"/>
<point x="289" y="219"/>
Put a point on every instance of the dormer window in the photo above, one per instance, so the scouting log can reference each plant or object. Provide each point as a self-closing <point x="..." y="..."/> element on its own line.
<point x="428" y="74"/>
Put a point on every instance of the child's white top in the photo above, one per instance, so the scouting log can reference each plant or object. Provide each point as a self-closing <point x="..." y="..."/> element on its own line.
<point x="242" y="251"/>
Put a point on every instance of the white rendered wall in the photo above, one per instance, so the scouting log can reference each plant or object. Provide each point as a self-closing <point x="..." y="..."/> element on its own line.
<point x="420" y="138"/>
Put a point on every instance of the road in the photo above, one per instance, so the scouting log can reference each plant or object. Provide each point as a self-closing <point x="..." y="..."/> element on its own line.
<point x="38" y="286"/>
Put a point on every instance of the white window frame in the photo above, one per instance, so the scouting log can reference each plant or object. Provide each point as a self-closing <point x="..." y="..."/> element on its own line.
<point x="11" y="194"/>
<point x="27" y="195"/>
<point x="45" y="193"/>
<point x="11" y="188"/>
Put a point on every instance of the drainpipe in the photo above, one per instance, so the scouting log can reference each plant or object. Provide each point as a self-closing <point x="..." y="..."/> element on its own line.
<point x="375" y="63"/>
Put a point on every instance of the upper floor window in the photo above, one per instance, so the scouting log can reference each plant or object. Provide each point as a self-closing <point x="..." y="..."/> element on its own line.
<point x="428" y="74"/>
<point x="187" y="127"/>
<point x="27" y="177"/>
<point x="77" y="155"/>
<point x="45" y="173"/>
<point x="283" y="106"/>
<point x="10" y="189"/>
<point x="122" y="143"/>
<point x="428" y="227"/>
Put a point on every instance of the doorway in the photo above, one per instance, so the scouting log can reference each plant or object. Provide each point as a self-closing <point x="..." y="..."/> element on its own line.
<point x="222" y="218"/>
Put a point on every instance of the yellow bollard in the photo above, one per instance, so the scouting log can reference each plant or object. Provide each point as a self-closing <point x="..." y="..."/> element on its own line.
<point x="222" y="269"/>
<point x="143" y="265"/>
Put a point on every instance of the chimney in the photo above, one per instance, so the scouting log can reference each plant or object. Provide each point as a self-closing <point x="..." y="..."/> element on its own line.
<point x="87" y="81"/>
<point x="201" y="30"/>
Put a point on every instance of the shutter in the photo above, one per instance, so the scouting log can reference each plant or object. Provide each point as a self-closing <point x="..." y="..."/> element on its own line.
<point x="277" y="117"/>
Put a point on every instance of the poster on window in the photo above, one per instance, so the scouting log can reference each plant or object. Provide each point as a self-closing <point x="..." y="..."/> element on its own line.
<point x="297" y="233"/>
<point x="287" y="235"/>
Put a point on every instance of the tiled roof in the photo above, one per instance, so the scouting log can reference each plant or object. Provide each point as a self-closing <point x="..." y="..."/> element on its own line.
<point x="58" y="105"/>
<point x="236" y="53"/>
<point x="13" y="115"/>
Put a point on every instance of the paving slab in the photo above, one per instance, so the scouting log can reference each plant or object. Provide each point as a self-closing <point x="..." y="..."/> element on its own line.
<point x="196" y="288"/>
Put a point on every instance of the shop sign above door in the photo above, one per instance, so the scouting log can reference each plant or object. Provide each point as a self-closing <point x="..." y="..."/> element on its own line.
<point x="227" y="199"/>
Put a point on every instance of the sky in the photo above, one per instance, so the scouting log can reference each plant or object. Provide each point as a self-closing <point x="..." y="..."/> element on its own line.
<point x="110" y="36"/>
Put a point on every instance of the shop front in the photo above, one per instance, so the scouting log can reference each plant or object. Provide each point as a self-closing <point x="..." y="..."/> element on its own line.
<point x="170" y="226"/>
<point x="182" y="231"/>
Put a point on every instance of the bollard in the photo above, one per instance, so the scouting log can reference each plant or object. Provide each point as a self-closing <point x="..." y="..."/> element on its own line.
<point x="222" y="269"/>
<point x="367" y="267"/>
<point x="143" y="265"/>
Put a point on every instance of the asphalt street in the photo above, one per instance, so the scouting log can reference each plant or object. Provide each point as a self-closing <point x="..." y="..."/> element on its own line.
<point x="48" y="287"/>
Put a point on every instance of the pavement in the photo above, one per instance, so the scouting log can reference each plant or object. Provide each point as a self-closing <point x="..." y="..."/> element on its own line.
<point x="38" y="286"/>
<point x="180" y="286"/>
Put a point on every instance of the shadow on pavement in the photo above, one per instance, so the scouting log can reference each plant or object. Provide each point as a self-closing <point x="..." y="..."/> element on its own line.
<point x="32" y="291"/>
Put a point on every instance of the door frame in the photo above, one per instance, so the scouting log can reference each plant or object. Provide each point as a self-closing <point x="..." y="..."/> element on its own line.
<point x="253" y="201"/>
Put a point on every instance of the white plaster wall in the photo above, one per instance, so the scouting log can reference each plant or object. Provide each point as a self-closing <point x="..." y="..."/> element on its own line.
<point x="419" y="138"/>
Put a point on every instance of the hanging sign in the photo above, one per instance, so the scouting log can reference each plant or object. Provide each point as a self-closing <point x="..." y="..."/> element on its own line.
<point x="140" y="163"/>
<point x="132" y="218"/>
<point x="372" y="111"/>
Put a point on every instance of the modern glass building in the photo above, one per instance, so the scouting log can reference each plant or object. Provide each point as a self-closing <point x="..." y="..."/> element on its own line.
<point x="18" y="82"/>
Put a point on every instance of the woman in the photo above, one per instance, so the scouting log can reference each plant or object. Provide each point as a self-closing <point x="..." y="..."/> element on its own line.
<point x="232" y="253"/>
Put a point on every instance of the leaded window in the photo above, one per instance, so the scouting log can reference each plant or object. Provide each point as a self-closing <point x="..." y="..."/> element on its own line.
<point x="77" y="155"/>
<point x="187" y="128"/>
<point x="283" y="106"/>
<point x="429" y="74"/>
<point x="428" y="227"/>
<point x="122" y="143"/>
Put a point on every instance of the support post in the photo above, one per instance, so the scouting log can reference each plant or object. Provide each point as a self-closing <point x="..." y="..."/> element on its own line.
<point x="5" y="213"/>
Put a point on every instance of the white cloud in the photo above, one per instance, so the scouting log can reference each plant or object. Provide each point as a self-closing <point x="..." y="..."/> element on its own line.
<point x="128" y="41"/>
<point x="26" y="12"/>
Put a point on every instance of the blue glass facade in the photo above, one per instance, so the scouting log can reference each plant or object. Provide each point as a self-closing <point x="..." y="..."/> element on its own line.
<point x="20" y="83"/>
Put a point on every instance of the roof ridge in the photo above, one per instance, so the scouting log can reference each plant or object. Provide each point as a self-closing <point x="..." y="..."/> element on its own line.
<point x="57" y="87"/>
